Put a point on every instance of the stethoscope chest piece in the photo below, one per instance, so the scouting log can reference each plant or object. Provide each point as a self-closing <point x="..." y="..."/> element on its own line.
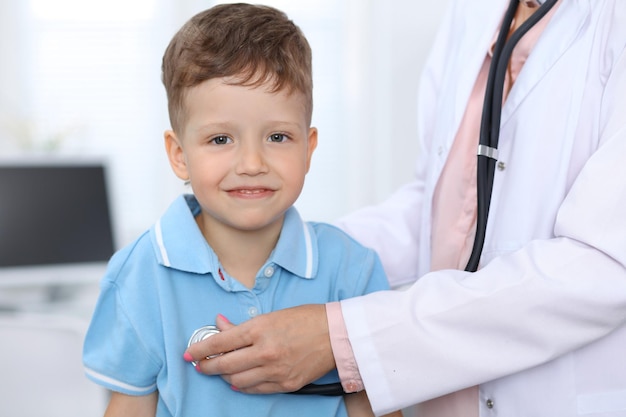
<point x="200" y="334"/>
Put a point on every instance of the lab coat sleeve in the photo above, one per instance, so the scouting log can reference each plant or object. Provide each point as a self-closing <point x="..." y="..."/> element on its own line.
<point x="454" y="329"/>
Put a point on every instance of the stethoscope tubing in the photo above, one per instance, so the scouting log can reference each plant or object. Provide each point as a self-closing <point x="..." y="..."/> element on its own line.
<point x="491" y="116"/>
<point x="329" y="390"/>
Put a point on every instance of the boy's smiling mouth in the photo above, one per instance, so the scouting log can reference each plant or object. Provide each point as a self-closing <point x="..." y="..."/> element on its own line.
<point x="251" y="191"/>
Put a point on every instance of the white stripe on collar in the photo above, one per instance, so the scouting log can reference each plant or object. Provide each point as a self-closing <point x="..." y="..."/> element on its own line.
<point x="309" y="250"/>
<point x="159" y="238"/>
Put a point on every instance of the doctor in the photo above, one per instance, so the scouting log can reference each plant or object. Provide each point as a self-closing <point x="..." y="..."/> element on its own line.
<point x="540" y="328"/>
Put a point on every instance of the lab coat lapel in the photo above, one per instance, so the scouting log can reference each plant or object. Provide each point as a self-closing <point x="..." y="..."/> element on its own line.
<point x="549" y="48"/>
<point x="478" y="33"/>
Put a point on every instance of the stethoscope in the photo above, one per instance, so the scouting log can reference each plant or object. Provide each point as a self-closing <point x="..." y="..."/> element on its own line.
<point x="487" y="154"/>
<point x="490" y="119"/>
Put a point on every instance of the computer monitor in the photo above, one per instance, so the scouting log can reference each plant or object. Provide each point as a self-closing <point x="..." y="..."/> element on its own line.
<point x="55" y="222"/>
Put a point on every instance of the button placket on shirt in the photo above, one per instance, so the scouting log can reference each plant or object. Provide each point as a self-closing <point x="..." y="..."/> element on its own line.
<point x="254" y="308"/>
<point x="253" y="311"/>
<point x="269" y="270"/>
<point x="250" y="304"/>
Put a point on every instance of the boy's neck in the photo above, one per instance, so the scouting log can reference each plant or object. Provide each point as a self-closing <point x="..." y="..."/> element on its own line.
<point x="241" y="253"/>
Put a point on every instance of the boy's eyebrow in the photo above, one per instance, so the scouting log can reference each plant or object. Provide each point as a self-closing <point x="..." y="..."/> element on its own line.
<point x="293" y="125"/>
<point x="212" y="126"/>
<point x="272" y="124"/>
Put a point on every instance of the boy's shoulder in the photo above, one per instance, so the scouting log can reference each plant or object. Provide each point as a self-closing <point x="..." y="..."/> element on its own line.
<point x="331" y="236"/>
<point x="138" y="253"/>
<point x="353" y="268"/>
<point x="175" y="230"/>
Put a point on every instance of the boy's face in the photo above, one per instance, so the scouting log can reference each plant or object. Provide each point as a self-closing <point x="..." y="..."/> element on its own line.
<point x="245" y="152"/>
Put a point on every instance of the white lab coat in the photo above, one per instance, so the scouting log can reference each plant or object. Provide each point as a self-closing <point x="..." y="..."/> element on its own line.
<point x="541" y="326"/>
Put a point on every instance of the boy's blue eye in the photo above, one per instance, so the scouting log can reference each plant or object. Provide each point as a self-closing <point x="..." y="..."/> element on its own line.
<point x="221" y="140"/>
<point x="277" y="137"/>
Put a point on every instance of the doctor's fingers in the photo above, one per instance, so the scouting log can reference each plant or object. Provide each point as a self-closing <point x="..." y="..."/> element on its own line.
<point x="252" y="370"/>
<point x="229" y="363"/>
<point x="212" y="347"/>
<point x="259" y="369"/>
<point x="258" y="381"/>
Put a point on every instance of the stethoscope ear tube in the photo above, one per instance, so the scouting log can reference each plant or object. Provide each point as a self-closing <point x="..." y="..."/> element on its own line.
<point x="490" y="119"/>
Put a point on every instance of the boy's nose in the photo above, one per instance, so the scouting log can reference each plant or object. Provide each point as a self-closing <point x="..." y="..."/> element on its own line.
<point x="251" y="160"/>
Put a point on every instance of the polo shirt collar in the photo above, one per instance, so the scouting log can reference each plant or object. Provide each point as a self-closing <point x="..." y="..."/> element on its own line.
<point x="178" y="242"/>
<point x="296" y="250"/>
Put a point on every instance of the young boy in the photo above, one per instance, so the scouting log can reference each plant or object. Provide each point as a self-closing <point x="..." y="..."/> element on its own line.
<point x="239" y="88"/>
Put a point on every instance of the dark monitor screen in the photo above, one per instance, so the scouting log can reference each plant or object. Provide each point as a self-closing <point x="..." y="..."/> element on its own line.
<point x="54" y="214"/>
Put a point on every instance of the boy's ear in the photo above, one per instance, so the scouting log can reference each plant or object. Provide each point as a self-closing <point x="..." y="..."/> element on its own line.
<point x="175" y="154"/>
<point x="311" y="145"/>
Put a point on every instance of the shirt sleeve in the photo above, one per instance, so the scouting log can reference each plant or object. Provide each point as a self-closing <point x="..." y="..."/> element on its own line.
<point x="342" y="350"/>
<point x="114" y="354"/>
<point x="359" y="272"/>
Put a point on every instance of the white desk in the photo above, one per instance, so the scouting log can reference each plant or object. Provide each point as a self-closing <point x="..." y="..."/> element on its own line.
<point x="69" y="290"/>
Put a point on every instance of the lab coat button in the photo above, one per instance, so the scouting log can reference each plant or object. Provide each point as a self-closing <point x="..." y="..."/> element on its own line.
<point x="440" y="150"/>
<point x="501" y="166"/>
<point x="489" y="403"/>
<point x="269" y="271"/>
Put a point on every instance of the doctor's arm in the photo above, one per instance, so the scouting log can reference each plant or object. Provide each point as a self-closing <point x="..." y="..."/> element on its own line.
<point x="259" y="366"/>
<point x="358" y="405"/>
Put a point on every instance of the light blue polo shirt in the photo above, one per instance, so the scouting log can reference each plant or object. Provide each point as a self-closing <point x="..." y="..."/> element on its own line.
<point x="169" y="282"/>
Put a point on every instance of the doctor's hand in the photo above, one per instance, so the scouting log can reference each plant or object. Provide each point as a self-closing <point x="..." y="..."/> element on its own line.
<point x="276" y="352"/>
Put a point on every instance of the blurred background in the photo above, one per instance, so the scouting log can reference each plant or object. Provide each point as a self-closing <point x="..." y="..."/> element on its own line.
<point x="80" y="82"/>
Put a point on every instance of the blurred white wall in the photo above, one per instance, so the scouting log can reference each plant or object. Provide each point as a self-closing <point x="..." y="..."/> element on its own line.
<point x="78" y="81"/>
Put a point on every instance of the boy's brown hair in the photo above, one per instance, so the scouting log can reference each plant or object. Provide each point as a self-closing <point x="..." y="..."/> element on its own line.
<point x="254" y="44"/>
